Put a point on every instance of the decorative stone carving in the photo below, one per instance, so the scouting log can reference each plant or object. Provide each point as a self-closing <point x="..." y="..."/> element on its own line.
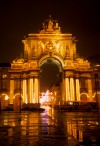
<point x="20" y="60"/>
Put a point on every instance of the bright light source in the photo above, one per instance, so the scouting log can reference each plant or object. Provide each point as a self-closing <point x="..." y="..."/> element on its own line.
<point x="70" y="103"/>
<point x="6" y="97"/>
<point x="46" y="97"/>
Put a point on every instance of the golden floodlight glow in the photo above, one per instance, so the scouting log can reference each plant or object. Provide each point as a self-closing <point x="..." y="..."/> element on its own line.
<point x="85" y="94"/>
<point x="50" y="45"/>
<point x="46" y="97"/>
<point x="6" y="97"/>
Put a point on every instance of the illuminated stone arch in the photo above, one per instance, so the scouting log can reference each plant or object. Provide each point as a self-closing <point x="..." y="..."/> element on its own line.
<point x="84" y="97"/>
<point x="17" y="102"/>
<point x="50" y="45"/>
<point x="54" y="59"/>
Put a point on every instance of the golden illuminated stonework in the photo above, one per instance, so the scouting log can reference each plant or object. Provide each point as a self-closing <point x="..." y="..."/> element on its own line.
<point x="50" y="45"/>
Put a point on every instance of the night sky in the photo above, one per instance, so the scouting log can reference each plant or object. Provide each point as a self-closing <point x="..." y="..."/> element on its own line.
<point x="20" y="17"/>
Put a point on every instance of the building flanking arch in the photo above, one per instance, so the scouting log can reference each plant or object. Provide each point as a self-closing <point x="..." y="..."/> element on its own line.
<point x="50" y="44"/>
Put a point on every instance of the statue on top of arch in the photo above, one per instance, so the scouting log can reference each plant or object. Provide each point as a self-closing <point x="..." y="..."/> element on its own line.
<point x="50" y="26"/>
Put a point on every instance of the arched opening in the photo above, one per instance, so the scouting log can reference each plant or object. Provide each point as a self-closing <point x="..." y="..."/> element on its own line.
<point x="17" y="103"/>
<point x="50" y="80"/>
<point x="4" y="101"/>
<point x="49" y="75"/>
<point x="83" y="97"/>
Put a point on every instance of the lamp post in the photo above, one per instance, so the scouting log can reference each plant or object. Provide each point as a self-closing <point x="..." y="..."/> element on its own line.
<point x="20" y="95"/>
<point x="0" y="90"/>
<point x="6" y="101"/>
<point x="96" y="76"/>
<point x="0" y="103"/>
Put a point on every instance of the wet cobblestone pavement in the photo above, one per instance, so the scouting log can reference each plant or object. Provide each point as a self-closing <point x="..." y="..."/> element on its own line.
<point x="49" y="128"/>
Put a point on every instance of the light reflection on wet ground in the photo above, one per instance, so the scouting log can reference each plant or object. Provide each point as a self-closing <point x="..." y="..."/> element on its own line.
<point x="50" y="128"/>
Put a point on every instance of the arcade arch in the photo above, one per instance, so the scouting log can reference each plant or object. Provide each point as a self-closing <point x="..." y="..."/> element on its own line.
<point x="4" y="100"/>
<point x="17" y="102"/>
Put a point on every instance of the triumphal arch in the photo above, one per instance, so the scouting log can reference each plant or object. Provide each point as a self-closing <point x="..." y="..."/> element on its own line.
<point x="50" y="44"/>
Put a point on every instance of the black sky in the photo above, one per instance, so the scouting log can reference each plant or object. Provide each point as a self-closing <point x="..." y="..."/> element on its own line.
<point x="20" y="17"/>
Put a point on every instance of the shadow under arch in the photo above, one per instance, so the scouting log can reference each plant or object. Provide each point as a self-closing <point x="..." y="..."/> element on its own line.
<point x="51" y="69"/>
<point x="54" y="59"/>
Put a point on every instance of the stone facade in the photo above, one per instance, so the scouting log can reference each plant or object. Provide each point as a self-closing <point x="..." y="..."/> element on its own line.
<point x="78" y="78"/>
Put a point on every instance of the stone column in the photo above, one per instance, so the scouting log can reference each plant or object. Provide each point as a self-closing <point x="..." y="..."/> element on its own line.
<point x="28" y="91"/>
<point x="11" y="91"/>
<point x="36" y="90"/>
<point x="63" y="90"/>
<point x="72" y="96"/>
<point x="67" y="88"/>
<point x="77" y="90"/>
<point x="90" y="90"/>
<point x="25" y="100"/>
<point x="31" y="90"/>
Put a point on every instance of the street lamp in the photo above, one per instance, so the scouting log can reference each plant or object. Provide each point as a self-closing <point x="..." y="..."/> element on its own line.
<point x="20" y="95"/>
<point x="0" y="103"/>
<point x="6" y="100"/>
<point x="0" y="90"/>
<point x="96" y="76"/>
